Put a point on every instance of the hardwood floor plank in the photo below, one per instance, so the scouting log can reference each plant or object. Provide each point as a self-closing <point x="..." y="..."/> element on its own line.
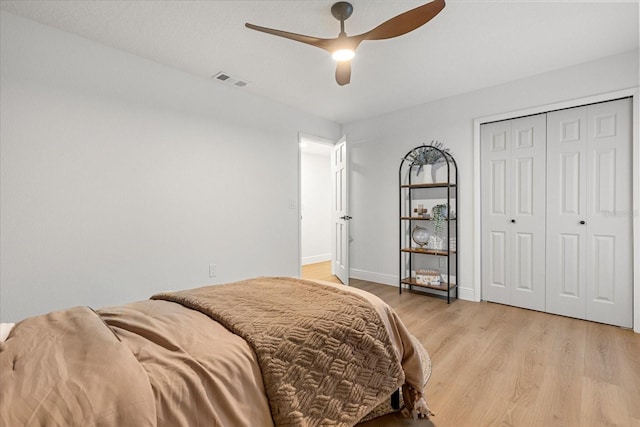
<point x="629" y="363"/>
<point x="319" y="271"/>
<point x="560" y="391"/>
<point x="602" y="404"/>
<point x="495" y="365"/>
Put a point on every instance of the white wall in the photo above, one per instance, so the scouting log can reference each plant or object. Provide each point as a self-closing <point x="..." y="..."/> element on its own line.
<point x="316" y="206"/>
<point x="379" y="143"/>
<point x="121" y="177"/>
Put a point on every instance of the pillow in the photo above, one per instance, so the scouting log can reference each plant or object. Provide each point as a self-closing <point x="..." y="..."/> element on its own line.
<point x="5" y="328"/>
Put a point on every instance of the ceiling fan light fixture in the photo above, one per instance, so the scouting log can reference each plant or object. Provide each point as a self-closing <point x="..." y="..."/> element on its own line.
<point x="343" y="47"/>
<point x="342" y="55"/>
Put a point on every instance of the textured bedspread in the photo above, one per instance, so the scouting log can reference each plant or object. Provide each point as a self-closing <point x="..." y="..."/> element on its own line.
<point x="325" y="354"/>
<point x="158" y="363"/>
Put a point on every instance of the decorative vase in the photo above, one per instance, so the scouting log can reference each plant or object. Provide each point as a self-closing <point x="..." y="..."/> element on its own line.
<point x="429" y="174"/>
<point x="436" y="243"/>
<point x="421" y="174"/>
<point x="438" y="172"/>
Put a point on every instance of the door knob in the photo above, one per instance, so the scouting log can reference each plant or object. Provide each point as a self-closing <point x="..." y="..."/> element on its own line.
<point x="346" y="217"/>
<point x="513" y="221"/>
<point x="582" y="223"/>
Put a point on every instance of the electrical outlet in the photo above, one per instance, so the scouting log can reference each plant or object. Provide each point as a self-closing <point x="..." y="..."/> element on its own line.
<point x="213" y="270"/>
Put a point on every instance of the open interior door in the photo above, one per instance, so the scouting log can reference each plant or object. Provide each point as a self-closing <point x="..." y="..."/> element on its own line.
<point x="340" y="211"/>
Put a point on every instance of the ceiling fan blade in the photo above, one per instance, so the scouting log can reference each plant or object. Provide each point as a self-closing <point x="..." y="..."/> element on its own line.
<point x="325" y="44"/>
<point x="343" y="73"/>
<point x="405" y="22"/>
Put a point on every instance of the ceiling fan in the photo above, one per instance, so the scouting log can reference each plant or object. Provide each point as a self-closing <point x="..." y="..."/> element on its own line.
<point x="343" y="47"/>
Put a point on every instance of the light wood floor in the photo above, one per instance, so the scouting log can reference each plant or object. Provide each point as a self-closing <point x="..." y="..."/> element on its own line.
<point x="495" y="365"/>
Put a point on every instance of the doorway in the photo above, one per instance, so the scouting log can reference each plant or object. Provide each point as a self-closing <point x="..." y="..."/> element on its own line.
<point x="315" y="207"/>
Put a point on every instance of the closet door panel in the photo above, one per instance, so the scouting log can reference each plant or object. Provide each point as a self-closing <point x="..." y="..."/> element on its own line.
<point x="495" y="187"/>
<point x="498" y="188"/>
<point x="528" y="211"/>
<point x="609" y="275"/>
<point x="571" y="268"/>
<point x="525" y="186"/>
<point x="566" y="207"/>
<point x="589" y="223"/>
<point x="603" y="255"/>
<point x="524" y="265"/>
<point x="568" y="180"/>
<point x="498" y="253"/>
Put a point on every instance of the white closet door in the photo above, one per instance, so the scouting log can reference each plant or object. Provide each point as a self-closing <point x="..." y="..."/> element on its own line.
<point x="528" y="211"/>
<point x="609" y="214"/>
<point x="566" y="207"/>
<point x="495" y="152"/>
<point x="513" y="212"/>
<point x="589" y="247"/>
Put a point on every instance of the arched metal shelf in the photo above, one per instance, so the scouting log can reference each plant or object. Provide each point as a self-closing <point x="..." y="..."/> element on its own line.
<point x="441" y="190"/>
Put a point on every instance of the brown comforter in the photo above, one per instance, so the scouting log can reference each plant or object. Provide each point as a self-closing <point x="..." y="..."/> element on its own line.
<point x="158" y="363"/>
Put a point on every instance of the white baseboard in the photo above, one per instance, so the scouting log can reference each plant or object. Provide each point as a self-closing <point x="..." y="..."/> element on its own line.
<point x="315" y="259"/>
<point x="385" y="279"/>
<point x="467" y="294"/>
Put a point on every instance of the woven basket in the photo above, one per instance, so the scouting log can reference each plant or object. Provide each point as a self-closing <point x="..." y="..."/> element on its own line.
<point x="385" y="407"/>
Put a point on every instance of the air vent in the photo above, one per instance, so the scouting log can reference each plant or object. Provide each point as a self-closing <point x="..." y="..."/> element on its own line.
<point x="226" y="78"/>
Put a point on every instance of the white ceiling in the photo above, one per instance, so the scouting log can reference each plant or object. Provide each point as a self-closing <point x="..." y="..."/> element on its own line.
<point x="468" y="46"/>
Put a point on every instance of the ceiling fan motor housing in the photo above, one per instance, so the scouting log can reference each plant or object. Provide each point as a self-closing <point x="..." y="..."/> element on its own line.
<point x="342" y="10"/>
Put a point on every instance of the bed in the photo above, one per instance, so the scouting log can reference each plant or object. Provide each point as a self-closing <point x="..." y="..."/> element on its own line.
<point x="260" y="352"/>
